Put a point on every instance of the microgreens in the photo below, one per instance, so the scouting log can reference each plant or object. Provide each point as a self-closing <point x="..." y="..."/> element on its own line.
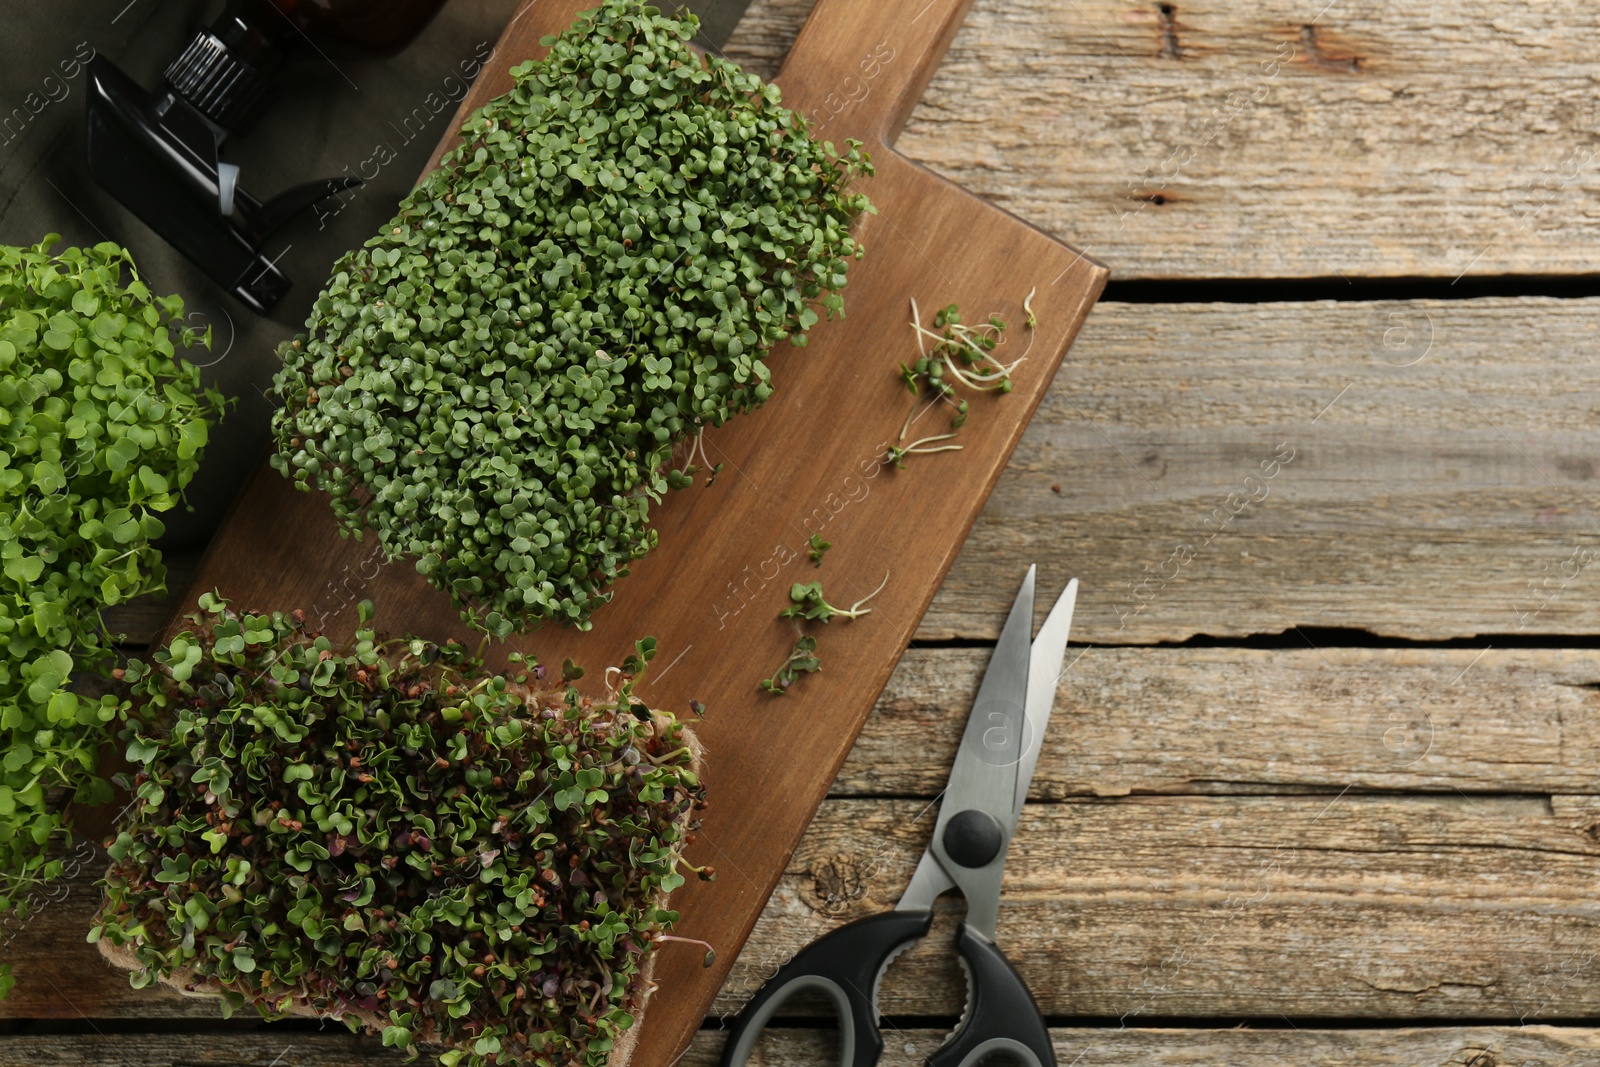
<point x="101" y="427"/>
<point x="818" y="548"/>
<point x="802" y="660"/>
<point x="384" y="832"/>
<point x="961" y="356"/>
<point x="493" y="385"/>
<point x="810" y="603"/>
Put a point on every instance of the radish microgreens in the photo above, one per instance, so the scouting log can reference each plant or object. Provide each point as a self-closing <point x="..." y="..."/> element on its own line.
<point x="385" y="832"/>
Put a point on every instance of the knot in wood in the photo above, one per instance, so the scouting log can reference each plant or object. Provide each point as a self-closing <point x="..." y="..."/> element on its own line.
<point x="837" y="882"/>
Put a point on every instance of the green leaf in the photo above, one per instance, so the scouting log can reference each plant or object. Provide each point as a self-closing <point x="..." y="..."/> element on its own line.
<point x="120" y="453"/>
<point x="24" y="569"/>
<point x="64" y="707"/>
<point x="152" y="481"/>
<point x="183" y="667"/>
<point x="192" y="437"/>
<point x="173" y="869"/>
<point x="141" y="751"/>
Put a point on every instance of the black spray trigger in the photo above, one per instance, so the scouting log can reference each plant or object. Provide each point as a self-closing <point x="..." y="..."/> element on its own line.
<point x="158" y="156"/>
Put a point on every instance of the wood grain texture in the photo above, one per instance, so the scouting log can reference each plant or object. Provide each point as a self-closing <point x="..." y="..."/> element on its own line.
<point x="1209" y="720"/>
<point x="1202" y="139"/>
<point x="1476" y="1046"/>
<point x="1451" y="497"/>
<point x="1317" y="906"/>
<point x="1336" y="904"/>
<point x="808" y="461"/>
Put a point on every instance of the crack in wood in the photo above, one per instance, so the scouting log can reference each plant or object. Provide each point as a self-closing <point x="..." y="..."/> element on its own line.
<point x="1169" y="32"/>
<point x="1436" y="987"/>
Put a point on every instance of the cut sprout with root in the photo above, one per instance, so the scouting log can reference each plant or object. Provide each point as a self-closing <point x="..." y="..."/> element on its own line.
<point x="683" y="477"/>
<point x="960" y="355"/>
<point x="898" y="455"/>
<point x="973" y="346"/>
<point x="810" y="604"/>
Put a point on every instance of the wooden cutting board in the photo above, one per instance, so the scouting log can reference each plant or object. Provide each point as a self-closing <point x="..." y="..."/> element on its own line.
<point x="808" y="462"/>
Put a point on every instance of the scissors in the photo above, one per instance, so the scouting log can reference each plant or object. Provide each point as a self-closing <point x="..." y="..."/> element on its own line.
<point x="977" y="816"/>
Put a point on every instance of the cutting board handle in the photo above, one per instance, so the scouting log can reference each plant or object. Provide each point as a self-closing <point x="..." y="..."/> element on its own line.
<point x="860" y="66"/>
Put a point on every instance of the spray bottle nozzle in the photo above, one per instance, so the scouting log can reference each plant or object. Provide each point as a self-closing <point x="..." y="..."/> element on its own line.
<point x="158" y="155"/>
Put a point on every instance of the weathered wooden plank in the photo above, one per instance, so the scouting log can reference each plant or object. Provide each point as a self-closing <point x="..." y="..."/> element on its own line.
<point x="1330" y="906"/>
<point x="1475" y="1046"/>
<point x="1245" y="469"/>
<point x="1335" y="905"/>
<point x="1280" y="139"/>
<point x="1452" y="497"/>
<point x="267" y="1047"/>
<point x="1227" y="720"/>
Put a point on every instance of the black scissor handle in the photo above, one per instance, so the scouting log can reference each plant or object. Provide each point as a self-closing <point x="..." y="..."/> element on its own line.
<point x="1002" y="1015"/>
<point x="844" y="966"/>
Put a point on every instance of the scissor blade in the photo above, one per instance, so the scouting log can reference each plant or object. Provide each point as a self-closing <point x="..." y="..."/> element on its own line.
<point x="1044" y="672"/>
<point x="984" y="775"/>
<point x="983" y="781"/>
<point x="927" y="882"/>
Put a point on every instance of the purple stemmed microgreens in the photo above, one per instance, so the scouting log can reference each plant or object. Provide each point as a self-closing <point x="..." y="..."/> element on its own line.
<point x="385" y="827"/>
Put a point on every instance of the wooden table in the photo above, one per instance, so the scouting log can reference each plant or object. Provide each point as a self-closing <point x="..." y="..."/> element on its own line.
<point x="1325" y="762"/>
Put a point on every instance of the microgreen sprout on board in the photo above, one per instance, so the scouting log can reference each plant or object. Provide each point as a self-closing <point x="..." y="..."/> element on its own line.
<point x="493" y="385"/>
<point x="818" y="549"/>
<point x="927" y="446"/>
<point x="961" y="356"/>
<point x="802" y="659"/>
<point x="808" y="602"/>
